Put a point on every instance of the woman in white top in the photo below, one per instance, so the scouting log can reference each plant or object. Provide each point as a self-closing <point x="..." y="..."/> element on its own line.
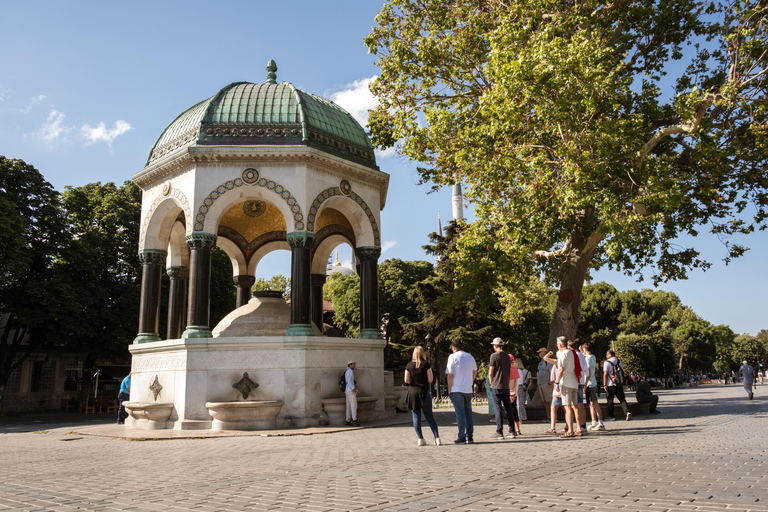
<point x="522" y="388"/>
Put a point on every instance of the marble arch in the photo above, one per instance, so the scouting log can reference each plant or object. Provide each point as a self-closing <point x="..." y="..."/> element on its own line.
<point x="354" y="208"/>
<point x="160" y="218"/>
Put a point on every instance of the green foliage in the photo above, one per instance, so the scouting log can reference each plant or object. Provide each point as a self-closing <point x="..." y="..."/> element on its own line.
<point x="750" y="348"/>
<point x="553" y="115"/>
<point x="396" y="280"/>
<point x="278" y="283"/>
<point x="344" y="292"/>
<point x="223" y="290"/>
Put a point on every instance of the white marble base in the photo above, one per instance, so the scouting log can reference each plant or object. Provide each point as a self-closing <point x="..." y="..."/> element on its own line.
<point x="299" y="371"/>
<point x="244" y="415"/>
<point x="336" y="409"/>
<point x="148" y="416"/>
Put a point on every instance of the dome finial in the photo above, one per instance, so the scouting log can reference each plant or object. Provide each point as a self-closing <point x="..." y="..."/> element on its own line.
<point x="271" y="75"/>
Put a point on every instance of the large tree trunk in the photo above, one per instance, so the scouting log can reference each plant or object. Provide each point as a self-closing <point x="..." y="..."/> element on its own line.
<point x="573" y="272"/>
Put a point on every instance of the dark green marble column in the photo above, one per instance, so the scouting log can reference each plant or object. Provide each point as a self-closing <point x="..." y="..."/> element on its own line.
<point x="243" y="284"/>
<point x="301" y="242"/>
<point x="318" y="280"/>
<point x="368" y="258"/>
<point x="152" y="262"/>
<point x="177" y="300"/>
<point x="199" y="308"/>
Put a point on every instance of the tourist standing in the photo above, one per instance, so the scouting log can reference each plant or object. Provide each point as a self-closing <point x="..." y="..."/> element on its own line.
<point x="522" y="390"/>
<point x="123" y="396"/>
<point x="543" y="382"/>
<point x="590" y="391"/>
<point x="419" y="377"/>
<point x="747" y="374"/>
<point x="461" y="371"/>
<point x="567" y="382"/>
<point x="351" y="394"/>
<point x="581" y="413"/>
<point x="498" y="371"/>
<point x="613" y="388"/>
<point x="645" y="396"/>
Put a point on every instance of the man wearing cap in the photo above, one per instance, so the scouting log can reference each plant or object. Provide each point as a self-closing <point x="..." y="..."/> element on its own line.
<point x="498" y="373"/>
<point x="543" y="384"/>
<point x="461" y="371"/>
<point x="748" y="375"/>
<point x="351" y="394"/>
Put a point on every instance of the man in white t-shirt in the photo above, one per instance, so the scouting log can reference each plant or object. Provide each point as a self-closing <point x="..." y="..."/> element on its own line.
<point x="461" y="371"/>
<point x="351" y="394"/>
<point x="567" y="383"/>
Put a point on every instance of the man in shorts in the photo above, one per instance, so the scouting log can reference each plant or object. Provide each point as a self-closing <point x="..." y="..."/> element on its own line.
<point x="567" y="383"/>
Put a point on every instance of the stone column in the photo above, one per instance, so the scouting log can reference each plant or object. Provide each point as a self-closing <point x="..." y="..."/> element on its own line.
<point x="369" y="292"/>
<point x="318" y="280"/>
<point x="152" y="261"/>
<point x="199" y="307"/>
<point x="301" y="242"/>
<point x="177" y="300"/>
<point x="243" y="284"/>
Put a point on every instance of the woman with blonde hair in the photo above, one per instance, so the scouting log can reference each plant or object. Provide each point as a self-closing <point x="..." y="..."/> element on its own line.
<point x="419" y="377"/>
<point x="522" y="391"/>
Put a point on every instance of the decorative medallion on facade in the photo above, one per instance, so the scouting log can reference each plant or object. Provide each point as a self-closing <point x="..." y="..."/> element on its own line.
<point x="202" y="211"/>
<point x="166" y="188"/>
<point x="250" y="176"/>
<point x="345" y="187"/>
<point x="175" y="193"/>
<point x="156" y="388"/>
<point x="254" y="208"/>
<point x="245" y="385"/>
<point x="336" y="191"/>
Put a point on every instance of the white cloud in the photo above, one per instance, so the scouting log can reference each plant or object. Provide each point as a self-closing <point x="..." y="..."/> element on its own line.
<point x="357" y="99"/>
<point x="101" y="134"/>
<point x="387" y="245"/>
<point x="34" y="101"/>
<point x="53" y="127"/>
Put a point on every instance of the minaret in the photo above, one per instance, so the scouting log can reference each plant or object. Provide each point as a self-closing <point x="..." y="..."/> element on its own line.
<point x="440" y="257"/>
<point x="457" y="201"/>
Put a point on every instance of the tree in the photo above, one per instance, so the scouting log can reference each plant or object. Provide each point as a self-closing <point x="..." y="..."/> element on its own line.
<point x="344" y="292"/>
<point x="558" y="118"/>
<point x="748" y="348"/>
<point x="31" y="236"/>
<point x="277" y="283"/>
<point x="396" y="280"/>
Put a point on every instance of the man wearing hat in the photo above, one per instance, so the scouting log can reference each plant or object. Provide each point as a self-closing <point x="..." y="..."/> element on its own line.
<point x="748" y="375"/>
<point x="461" y="371"/>
<point x="498" y="373"/>
<point x="544" y="386"/>
<point x="351" y="394"/>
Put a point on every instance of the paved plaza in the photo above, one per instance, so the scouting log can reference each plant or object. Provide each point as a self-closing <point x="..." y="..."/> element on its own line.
<point x="706" y="451"/>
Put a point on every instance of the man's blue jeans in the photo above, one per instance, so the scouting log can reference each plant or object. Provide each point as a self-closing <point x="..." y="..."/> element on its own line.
<point x="462" y="404"/>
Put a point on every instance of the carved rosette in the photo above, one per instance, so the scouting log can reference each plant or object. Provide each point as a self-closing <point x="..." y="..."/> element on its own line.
<point x="297" y="239"/>
<point x="368" y="253"/>
<point x="152" y="256"/>
<point x="177" y="272"/>
<point x="201" y="240"/>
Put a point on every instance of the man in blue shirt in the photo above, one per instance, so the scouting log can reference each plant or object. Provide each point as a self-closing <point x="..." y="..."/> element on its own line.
<point x="123" y="396"/>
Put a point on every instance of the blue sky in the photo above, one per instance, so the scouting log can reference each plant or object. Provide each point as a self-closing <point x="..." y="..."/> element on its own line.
<point x="87" y="87"/>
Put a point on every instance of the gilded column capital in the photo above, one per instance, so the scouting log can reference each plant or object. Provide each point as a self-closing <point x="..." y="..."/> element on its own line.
<point x="368" y="253"/>
<point x="297" y="239"/>
<point x="201" y="240"/>
<point x="177" y="272"/>
<point x="152" y="256"/>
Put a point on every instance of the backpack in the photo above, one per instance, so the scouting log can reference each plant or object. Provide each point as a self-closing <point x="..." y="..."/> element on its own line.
<point x="343" y="382"/>
<point x="618" y="374"/>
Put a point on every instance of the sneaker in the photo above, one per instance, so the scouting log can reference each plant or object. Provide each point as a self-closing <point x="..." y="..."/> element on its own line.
<point x="348" y="423"/>
<point x="512" y="433"/>
<point x="422" y="442"/>
<point x="437" y="442"/>
<point x="600" y="428"/>
<point x="656" y="412"/>
<point x="751" y="396"/>
<point x="356" y="423"/>
<point x="547" y="420"/>
<point x="493" y="420"/>
<point x="461" y="440"/>
<point x="629" y="416"/>
<point x="592" y="427"/>
<point x="470" y="440"/>
<point x="610" y="419"/>
<point x="497" y="436"/>
<point x="121" y="423"/>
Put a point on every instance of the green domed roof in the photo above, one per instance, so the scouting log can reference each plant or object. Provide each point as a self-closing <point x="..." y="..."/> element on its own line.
<point x="248" y="114"/>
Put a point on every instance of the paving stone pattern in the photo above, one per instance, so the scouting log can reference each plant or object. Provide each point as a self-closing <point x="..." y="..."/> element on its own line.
<point x="705" y="452"/>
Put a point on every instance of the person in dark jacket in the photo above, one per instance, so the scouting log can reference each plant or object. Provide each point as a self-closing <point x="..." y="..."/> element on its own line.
<point x="644" y="396"/>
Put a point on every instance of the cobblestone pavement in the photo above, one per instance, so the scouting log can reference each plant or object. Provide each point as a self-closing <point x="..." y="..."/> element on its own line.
<point x="706" y="451"/>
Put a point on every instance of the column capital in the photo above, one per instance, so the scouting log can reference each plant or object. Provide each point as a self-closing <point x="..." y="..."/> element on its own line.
<point x="152" y="256"/>
<point x="297" y="239"/>
<point x="177" y="272"/>
<point x="317" y="279"/>
<point x="245" y="281"/>
<point x="201" y="240"/>
<point x="368" y="253"/>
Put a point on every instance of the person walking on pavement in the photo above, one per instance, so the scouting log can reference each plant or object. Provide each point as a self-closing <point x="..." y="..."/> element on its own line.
<point x="612" y="388"/>
<point x="747" y="374"/>
<point x="123" y="396"/>
<point x="498" y="371"/>
<point x="543" y="383"/>
<point x="419" y="377"/>
<point x="590" y="391"/>
<point x="567" y="383"/>
<point x="351" y="394"/>
<point x="461" y="370"/>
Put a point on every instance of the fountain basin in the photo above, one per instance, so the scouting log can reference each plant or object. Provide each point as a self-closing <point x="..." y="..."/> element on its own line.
<point x="148" y="415"/>
<point x="244" y="415"/>
<point x="336" y="408"/>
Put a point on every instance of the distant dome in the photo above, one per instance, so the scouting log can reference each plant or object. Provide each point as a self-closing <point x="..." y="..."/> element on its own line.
<point x="271" y="113"/>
